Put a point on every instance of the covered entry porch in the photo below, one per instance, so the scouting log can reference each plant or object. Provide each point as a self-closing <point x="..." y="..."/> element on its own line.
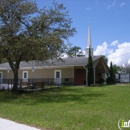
<point x="100" y="69"/>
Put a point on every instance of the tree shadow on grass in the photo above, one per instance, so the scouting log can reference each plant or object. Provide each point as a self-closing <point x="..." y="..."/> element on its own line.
<point x="61" y="95"/>
<point x="70" y="93"/>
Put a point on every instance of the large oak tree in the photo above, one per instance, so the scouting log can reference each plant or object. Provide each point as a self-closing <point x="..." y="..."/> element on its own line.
<point x="28" y="33"/>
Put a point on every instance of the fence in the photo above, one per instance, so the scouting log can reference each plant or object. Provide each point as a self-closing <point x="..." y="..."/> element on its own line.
<point x="8" y="83"/>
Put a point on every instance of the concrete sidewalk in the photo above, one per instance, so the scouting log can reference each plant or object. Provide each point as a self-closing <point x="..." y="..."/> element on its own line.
<point x="11" y="125"/>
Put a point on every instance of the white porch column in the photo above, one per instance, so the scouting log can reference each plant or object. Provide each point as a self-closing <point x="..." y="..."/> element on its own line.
<point x="86" y="75"/>
<point x="94" y="74"/>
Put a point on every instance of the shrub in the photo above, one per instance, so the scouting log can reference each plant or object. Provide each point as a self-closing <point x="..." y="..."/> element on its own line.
<point x="110" y="80"/>
<point x="101" y="81"/>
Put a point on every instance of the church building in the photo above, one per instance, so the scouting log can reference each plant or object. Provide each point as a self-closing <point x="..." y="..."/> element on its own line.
<point x="70" y="70"/>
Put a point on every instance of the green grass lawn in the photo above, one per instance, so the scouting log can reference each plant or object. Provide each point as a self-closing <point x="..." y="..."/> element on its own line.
<point x="69" y="108"/>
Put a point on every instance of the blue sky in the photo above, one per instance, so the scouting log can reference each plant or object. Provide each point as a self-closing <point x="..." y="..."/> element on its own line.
<point x="109" y="24"/>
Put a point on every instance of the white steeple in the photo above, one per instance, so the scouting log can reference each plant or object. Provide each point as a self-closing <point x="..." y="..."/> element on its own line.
<point x="89" y="44"/>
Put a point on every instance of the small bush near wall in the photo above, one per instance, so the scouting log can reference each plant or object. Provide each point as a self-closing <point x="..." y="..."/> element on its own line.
<point x="101" y="81"/>
<point x="110" y="80"/>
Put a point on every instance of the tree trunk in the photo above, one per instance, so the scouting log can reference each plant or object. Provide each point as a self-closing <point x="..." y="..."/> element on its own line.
<point x="15" y="67"/>
<point x="15" y="81"/>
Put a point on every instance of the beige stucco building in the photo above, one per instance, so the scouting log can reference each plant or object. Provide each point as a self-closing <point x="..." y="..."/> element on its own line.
<point x="74" y="69"/>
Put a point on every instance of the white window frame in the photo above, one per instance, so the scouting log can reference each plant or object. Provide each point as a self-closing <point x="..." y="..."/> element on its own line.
<point x="55" y="73"/>
<point x="1" y="77"/>
<point x="55" y="79"/>
<point x="25" y="79"/>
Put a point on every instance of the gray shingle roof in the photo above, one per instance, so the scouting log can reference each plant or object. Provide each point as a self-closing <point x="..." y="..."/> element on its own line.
<point x="78" y="61"/>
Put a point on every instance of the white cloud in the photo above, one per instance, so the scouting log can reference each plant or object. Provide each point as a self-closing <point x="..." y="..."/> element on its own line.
<point x="121" y="55"/>
<point x="114" y="43"/>
<point x="129" y="61"/>
<point x="113" y="4"/>
<point x="122" y="4"/>
<point x="103" y="49"/>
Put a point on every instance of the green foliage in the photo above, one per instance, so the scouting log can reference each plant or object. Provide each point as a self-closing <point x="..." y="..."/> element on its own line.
<point x="74" y="51"/>
<point x="100" y="81"/>
<point x="28" y="33"/>
<point x="90" y="69"/>
<point x="110" y="80"/>
<point x="3" y="60"/>
<point x="115" y="69"/>
<point x="111" y="70"/>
